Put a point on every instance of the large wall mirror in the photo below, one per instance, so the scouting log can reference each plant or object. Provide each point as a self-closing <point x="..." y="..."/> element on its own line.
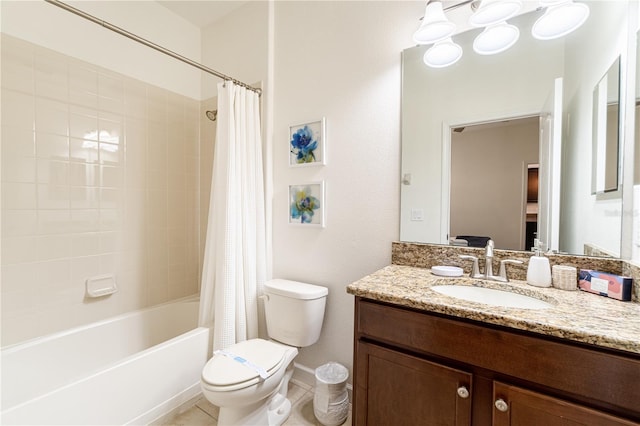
<point x="549" y="85"/>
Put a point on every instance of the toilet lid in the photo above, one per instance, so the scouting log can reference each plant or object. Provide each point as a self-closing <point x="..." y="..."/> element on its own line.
<point x="224" y="370"/>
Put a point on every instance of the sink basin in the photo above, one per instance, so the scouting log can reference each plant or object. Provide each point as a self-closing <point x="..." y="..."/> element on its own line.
<point x="490" y="296"/>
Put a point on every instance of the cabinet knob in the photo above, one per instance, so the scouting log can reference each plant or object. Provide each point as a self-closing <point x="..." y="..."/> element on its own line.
<point x="501" y="405"/>
<point x="463" y="392"/>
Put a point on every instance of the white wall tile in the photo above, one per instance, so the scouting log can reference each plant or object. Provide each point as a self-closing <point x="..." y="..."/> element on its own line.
<point x="84" y="197"/>
<point x="18" y="169"/>
<point x="52" y="146"/>
<point x="51" y="75"/>
<point x="82" y="174"/>
<point x="82" y="150"/>
<point x="83" y="85"/>
<point x="19" y="249"/>
<point x="52" y="116"/>
<point x="54" y="222"/>
<point x="17" y="141"/>
<point x="52" y="197"/>
<point x="100" y="175"/>
<point x="53" y="247"/>
<point x="18" y="196"/>
<point x="85" y="220"/>
<point x="21" y="114"/>
<point x="83" y="123"/>
<point x="111" y="177"/>
<point x="53" y="172"/>
<point x="85" y="244"/>
<point x="17" y="65"/>
<point x="19" y="223"/>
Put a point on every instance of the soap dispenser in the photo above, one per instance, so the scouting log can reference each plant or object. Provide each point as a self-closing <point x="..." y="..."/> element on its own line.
<point x="539" y="270"/>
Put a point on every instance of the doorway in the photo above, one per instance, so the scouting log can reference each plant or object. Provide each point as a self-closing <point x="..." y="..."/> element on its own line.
<point x="490" y="178"/>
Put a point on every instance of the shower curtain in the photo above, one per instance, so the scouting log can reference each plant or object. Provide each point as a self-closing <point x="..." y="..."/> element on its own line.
<point x="234" y="266"/>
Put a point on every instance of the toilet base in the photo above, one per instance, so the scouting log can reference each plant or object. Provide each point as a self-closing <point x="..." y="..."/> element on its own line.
<point x="273" y="413"/>
<point x="279" y="410"/>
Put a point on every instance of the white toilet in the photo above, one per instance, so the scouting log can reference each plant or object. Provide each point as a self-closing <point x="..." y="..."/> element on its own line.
<point x="249" y="380"/>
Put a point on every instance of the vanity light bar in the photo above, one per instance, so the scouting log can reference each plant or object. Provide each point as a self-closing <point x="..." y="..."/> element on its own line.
<point x="560" y="18"/>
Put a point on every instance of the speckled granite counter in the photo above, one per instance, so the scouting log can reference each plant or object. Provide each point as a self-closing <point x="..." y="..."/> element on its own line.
<point x="574" y="315"/>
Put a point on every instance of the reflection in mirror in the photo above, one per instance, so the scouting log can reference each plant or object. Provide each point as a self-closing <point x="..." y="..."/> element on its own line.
<point x="494" y="183"/>
<point x="606" y="122"/>
<point x="515" y="83"/>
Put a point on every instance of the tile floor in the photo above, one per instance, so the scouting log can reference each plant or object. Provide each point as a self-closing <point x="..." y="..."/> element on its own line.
<point x="203" y="413"/>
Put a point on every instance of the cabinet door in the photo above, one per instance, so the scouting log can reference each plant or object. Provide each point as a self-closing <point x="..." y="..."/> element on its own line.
<point x="393" y="388"/>
<point x="515" y="406"/>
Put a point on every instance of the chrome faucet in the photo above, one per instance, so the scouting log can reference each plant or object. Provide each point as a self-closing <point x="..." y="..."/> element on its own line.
<point x="488" y="259"/>
<point x="488" y="265"/>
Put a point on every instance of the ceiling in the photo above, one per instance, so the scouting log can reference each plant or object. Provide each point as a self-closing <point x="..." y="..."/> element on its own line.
<point x="203" y="12"/>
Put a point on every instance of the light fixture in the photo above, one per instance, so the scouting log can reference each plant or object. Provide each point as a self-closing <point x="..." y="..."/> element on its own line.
<point x="435" y="25"/>
<point x="443" y="54"/>
<point x="496" y="38"/>
<point x="560" y="18"/>
<point x="491" y="12"/>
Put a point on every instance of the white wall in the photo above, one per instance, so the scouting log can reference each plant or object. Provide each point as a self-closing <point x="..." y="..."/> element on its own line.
<point x="341" y="61"/>
<point x="49" y="26"/>
<point x="587" y="218"/>
<point x="236" y="45"/>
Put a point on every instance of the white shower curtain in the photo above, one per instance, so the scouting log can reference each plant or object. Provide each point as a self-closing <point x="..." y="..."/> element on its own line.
<point x="234" y="266"/>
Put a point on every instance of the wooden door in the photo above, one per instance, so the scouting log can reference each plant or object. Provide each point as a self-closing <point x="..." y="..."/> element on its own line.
<point x="515" y="406"/>
<point x="394" y="388"/>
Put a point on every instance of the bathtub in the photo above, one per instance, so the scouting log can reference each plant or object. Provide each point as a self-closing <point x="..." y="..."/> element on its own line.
<point x="129" y="369"/>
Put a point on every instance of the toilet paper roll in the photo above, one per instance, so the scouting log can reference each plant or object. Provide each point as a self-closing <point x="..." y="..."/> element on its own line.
<point x="564" y="277"/>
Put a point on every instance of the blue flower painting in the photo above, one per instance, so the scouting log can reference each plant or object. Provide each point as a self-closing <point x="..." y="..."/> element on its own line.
<point x="306" y="204"/>
<point x="306" y="144"/>
<point x="303" y="144"/>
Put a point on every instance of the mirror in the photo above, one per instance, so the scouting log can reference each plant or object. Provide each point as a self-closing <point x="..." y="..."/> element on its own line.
<point x="516" y="83"/>
<point x="606" y="122"/>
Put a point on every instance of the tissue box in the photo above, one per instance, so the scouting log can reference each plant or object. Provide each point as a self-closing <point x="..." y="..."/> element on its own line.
<point x="604" y="284"/>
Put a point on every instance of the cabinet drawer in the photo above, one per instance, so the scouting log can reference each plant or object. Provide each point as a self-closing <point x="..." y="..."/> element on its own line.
<point x="611" y="380"/>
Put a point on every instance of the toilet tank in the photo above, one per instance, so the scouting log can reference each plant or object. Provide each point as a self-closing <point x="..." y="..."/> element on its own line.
<point x="294" y="311"/>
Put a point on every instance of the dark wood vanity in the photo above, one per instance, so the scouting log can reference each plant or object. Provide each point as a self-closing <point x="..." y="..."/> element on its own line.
<point x="415" y="367"/>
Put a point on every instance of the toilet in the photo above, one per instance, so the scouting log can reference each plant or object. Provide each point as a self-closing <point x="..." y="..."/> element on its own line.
<point x="249" y="380"/>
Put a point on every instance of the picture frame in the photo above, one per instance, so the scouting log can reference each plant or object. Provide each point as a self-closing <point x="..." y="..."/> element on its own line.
<point x="307" y="144"/>
<point x="307" y="204"/>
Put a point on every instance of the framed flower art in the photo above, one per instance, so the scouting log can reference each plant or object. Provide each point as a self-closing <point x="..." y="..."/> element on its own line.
<point x="307" y="144"/>
<point x="306" y="204"/>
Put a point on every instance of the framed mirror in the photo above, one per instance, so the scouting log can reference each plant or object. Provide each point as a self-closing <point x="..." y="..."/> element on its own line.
<point x="606" y="134"/>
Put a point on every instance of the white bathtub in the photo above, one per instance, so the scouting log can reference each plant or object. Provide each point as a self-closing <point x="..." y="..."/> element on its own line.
<point x="130" y="369"/>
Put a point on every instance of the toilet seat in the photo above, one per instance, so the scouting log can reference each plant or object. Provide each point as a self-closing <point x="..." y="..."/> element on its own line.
<point x="224" y="373"/>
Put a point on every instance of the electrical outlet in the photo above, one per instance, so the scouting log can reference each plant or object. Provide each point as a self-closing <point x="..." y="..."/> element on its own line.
<point x="417" y="214"/>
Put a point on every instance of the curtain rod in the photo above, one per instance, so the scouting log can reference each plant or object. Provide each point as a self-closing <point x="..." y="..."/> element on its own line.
<point x="148" y="43"/>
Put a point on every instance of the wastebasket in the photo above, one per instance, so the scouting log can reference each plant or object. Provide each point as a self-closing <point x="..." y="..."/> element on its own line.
<point x="331" y="400"/>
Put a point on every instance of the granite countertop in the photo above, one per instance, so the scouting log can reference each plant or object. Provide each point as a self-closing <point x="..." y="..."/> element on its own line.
<point x="574" y="315"/>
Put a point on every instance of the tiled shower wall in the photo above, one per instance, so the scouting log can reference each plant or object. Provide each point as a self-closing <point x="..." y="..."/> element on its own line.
<point x="100" y="175"/>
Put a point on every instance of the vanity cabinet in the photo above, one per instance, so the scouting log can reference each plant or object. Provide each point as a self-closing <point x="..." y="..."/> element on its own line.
<point x="413" y="367"/>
